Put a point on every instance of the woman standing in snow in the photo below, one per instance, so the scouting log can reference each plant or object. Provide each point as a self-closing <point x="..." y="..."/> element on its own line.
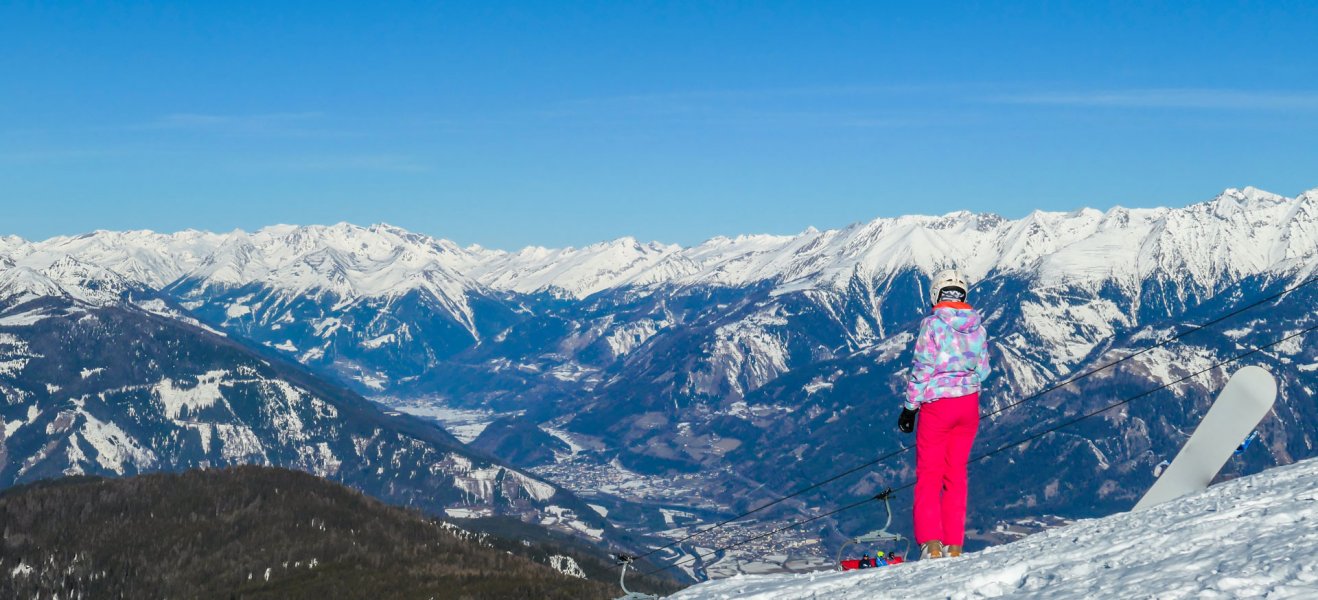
<point x="951" y="362"/>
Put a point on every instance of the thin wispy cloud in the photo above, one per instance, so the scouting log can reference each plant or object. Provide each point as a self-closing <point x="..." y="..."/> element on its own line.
<point x="836" y="91"/>
<point x="1208" y="99"/>
<point x="55" y="155"/>
<point x="200" y="120"/>
<point x="288" y="123"/>
<point x="823" y="119"/>
<point x="362" y="162"/>
<point x="857" y="106"/>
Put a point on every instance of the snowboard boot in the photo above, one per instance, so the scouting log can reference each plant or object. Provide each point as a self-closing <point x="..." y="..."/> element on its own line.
<point x="931" y="549"/>
<point x="953" y="550"/>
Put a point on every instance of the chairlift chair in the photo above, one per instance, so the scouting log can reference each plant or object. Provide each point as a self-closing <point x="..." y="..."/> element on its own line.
<point x="625" y="560"/>
<point x="878" y="536"/>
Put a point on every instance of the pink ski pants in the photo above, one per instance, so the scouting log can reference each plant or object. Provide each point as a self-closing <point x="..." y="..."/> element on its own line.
<point x="943" y="438"/>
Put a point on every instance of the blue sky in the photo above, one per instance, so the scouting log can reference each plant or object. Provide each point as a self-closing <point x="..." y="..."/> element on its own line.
<point x="560" y="123"/>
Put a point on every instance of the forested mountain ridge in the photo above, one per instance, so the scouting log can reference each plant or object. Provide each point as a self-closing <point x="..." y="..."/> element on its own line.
<point x="257" y="532"/>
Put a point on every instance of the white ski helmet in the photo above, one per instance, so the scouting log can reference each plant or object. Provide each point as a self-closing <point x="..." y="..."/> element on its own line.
<point x="948" y="285"/>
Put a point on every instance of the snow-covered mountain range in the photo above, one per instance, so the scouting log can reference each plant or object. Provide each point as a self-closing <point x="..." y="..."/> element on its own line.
<point x="102" y="375"/>
<point x="719" y="372"/>
<point x="1239" y="232"/>
<point x="341" y="295"/>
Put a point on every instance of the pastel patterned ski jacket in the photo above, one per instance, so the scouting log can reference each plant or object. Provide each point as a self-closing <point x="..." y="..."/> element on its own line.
<point x="951" y="355"/>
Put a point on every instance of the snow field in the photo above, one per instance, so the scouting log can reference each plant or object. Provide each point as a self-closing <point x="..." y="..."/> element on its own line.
<point x="1254" y="537"/>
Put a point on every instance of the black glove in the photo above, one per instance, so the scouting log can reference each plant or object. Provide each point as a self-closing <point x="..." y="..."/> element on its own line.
<point x="906" y="422"/>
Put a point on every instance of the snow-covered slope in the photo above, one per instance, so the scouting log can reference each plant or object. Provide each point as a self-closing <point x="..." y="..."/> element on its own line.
<point x="343" y="262"/>
<point x="576" y="271"/>
<point x="343" y="259"/>
<point x="71" y="278"/>
<point x="1253" y="537"/>
<point x="145" y="257"/>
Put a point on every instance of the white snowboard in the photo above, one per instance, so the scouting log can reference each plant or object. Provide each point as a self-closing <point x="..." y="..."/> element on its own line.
<point x="1245" y="400"/>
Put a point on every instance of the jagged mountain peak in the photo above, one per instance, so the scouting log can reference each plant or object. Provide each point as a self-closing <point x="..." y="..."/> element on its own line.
<point x="625" y="243"/>
<point x="67" y="277"/>
<point x="348" y="260"/>
<point x="142" y="256"/>
<point x="70" y="271"/>
<point x="9" y="243"/>
<point x="1253" y="195"/>
<point x="20" y="284"/>
<point x="577" y="272"/>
